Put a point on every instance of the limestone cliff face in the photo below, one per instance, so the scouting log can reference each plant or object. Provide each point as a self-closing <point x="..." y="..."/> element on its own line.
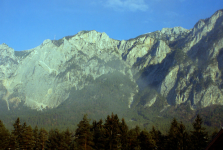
<point x="184" y="66"/>
<point x="43" y="76"/>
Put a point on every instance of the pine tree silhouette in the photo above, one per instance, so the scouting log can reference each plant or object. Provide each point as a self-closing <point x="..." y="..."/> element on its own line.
<point x="36" y="138"/>
<point x="42" y="138"/>
<point x="27" y="138"/>
<point x="4" y="136"/>
<point x="98" y="135"/>
<point x="133" y="140"/>
<point x="54" y="139"/>
<point x="158" y="138"/>
<point x="112" y="132"/>
<point x="83" y="135"/>
<point x="17" y="133"/>
<point x="124" y="134"/>
<point x="67" y="139"/>
<point x="146" y="141"/>
<point x="13" y="143"/>
<point x="199" y="136"/>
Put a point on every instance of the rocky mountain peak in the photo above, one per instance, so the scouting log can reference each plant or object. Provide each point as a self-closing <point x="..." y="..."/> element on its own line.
<point x="175" y="30"/>
<point x="47" y="41"/>
<point x="209" y="23"/>
<point x="6" y="51"/>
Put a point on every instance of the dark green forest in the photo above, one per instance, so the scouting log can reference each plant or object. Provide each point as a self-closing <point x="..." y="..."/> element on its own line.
<point x="111" y="134"/>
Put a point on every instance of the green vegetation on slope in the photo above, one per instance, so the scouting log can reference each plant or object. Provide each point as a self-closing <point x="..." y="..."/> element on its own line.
<point x="108" y="93"/>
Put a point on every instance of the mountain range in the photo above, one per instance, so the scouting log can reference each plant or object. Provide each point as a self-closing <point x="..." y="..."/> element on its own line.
<point x="152" y="75"/>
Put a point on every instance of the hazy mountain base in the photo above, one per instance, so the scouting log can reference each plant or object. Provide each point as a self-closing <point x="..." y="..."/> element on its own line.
<point x="67" y="117"/>
<point x="108" y="93"/>
<point x="99" y="100"/>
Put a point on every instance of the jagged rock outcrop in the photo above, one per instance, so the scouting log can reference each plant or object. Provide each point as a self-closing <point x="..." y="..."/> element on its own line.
<point x="191" y="70"/>
<point x="184" y="66"/>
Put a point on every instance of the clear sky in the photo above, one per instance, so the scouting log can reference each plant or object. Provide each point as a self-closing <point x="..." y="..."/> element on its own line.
<point x="25" y="24"/>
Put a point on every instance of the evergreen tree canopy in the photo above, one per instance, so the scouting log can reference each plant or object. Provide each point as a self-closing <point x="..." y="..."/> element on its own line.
<point x="184" y="138"/>
<point x="98" y="135"/>
<point x="199" y="136"/>
<point x="54" y="139"/>
<point x="83" y="135"/>
<point x="146" y="141"/>
<point x="133" y="140"/>
<point x="112" y="135"/>
<point x="112" y="132"/>
<point x="124" y="134"/>
<point x="27" y="140"/>
<point x="13" y="143"/>
<point x="177" y="137"/>
<point x="17" y="132"/>
<point x="67" y="139"/>
<point x="42" y="139"/>
<point x="4" y="136"/>
<point x="36" y="138"/>
<point x="158" y="138"/>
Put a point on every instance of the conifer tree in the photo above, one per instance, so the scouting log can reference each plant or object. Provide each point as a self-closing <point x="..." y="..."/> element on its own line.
<point x="199" y="136"/>
<point x="177" y="138"/>
<point x="54" y="139"/>
<point x="13" y="143"/>
<point x="184" y="138"/>
<point x="83" y="135"/>
<point x="146" y="141"/>
<point x="4" y="136"/>
<point x="22" y="136"/>
<point x="57" y="140"/>
<point x="74" y="145"/>
<point x="172" y="138"/>
<point x="98" y="135"/>
<point x="112" y="132"/>
<point x="42" y="138"/>
<point x="133" y="140"/>
<point x="124" y="134"/>
<point x="17" y="132"/>
<point x="157" y="137"/>
<point x="36" y="138"/>
<point x="63" y="145"/>
<point x="27" y="139"/>
<point x="67" y="139"/>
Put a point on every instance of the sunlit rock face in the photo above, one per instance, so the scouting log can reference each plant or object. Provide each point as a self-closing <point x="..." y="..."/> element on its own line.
<point x="184" y="66"/>
<point x="42" y="77"/>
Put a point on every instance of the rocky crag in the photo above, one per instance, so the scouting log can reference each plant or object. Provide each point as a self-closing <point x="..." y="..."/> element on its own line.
<point x="180" y="65"/>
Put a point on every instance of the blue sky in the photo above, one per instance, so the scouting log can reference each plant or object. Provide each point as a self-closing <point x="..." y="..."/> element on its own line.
<point x="25" y="24"/>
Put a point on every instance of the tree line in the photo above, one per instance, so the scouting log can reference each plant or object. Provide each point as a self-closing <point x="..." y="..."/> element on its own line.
<point x="113" y="134"/>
